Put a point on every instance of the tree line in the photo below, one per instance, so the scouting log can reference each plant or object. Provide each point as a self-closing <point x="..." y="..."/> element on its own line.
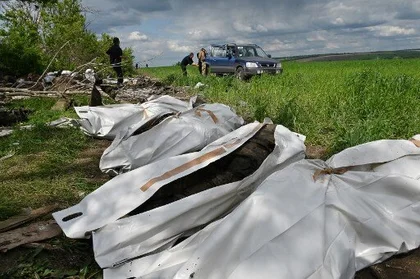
<point x="38" y="33"/>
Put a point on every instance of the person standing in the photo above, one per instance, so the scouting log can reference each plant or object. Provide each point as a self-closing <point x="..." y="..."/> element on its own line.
<point x="201" y="61"/>
<point x="188" y="60"/>
<point x="115" y="56"/>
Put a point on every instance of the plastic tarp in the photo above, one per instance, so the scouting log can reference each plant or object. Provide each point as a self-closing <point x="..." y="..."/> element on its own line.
<point x="312" y="219"/>
<point x="126" y="192"/>
<point x="185" y="132"/>
<point x="110" y="120"/>
<point x="144" y="233"/>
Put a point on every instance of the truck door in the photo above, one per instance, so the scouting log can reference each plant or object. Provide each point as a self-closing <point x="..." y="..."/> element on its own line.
<point x="217" y="54"/>
<point x="227" y="64"/>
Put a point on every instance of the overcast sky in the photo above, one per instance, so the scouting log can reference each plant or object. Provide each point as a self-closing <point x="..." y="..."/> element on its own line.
<point x="167" y="30"/>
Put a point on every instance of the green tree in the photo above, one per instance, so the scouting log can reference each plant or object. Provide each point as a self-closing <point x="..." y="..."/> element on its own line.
<point x="33" y="32"/>
<point x="20" y="47"/>
<point x="64" y="24"/>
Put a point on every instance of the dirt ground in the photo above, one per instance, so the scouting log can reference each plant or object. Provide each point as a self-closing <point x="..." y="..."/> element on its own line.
<point x="405" y="266"/>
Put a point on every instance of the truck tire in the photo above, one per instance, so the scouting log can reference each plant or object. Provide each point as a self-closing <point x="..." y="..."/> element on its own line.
<point x="239" y="73"/>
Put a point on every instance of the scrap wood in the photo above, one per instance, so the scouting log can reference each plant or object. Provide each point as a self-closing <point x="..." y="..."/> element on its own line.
<point x="18" y="220"/>
<point x="33" y="233"/>
<point x="21" y="91"/>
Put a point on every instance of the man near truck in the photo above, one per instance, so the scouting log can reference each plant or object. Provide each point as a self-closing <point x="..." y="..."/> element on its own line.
<point x="201" y="61"/>
<point x="188" y="60"/>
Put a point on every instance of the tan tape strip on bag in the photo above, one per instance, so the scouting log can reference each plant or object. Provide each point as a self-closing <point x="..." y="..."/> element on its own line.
<point x="328" y="171"/>
<point x="416" y="142"/>
<point x="208" y="156"/>
<point x="219" y="151"/>
<point x="212" y="115"/>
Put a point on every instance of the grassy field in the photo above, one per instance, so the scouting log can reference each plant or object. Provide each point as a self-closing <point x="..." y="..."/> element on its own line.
<point x="335" y="104"/>
<point x="396" y="54"/>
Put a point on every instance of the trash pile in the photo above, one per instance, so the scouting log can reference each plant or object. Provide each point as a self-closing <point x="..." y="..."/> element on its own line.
<point x="198" y="193"/>
<point x="67" y="83"/>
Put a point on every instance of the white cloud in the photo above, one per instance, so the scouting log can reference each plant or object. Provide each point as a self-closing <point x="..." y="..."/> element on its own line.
<point x="176" y="47"/>
<point x="331" y="46"/>
<point x="316" y="36"/>
<point x="242" y="27"/>
<point x="388" y="31"/>
<point x="283" y="28"/>
<point x="137" y="36"/>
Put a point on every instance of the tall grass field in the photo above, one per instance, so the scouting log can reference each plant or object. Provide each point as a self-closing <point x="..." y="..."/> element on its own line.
<point x="335" y="104"/>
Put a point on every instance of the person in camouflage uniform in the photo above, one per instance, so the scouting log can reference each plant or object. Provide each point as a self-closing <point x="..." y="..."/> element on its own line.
<point x="201" y="58"/>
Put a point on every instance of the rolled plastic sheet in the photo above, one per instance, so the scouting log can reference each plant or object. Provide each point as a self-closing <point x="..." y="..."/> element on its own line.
<point x="185" y="132"/>
<point x="144" y="233"/>
<point x="126" y="192"/>
<point x="311" y="219"/>
<point x="110" y="120"/>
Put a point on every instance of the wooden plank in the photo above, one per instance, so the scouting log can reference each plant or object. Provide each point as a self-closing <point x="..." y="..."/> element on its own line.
<point x="12" y="91"/>
<point x="18" y="220"/>
<point x="32" y="233"/>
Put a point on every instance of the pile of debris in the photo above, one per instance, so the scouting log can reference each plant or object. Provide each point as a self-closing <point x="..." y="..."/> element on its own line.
<point x="66" y="83"/>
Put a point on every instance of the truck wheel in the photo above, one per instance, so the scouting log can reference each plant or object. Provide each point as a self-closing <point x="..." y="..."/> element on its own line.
<point x="240" y="73"/>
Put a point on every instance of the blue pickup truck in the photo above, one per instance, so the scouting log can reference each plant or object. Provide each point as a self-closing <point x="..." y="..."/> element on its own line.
<point x="241" y="60"/>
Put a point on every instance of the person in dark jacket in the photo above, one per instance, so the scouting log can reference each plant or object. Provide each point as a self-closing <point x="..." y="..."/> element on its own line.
<point x="115" y="56"/>
<point x="188" y="60"/>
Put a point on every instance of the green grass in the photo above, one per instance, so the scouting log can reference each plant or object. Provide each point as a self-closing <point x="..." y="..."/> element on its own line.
<point x="43" y="169"/>
<point x="335" y="104"/>
<point x="49" y="165"/>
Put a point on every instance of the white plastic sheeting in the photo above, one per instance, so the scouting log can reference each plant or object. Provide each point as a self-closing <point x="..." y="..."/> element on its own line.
<point x="402" y="157"/>
<point x="144" y="233"/>
<point x="309" y="220"/>
<point x="186" y="132"/>
<point x="126" y="192"/>
<point x="110" y="120"/>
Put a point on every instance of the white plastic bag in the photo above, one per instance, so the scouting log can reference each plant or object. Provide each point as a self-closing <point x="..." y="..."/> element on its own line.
<point x="144" y="233"/>
<point x="185" y="132"/>
<point x="126" y="192"/>
<point x="110" y="120"/>
<point x="308" y="220"/>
